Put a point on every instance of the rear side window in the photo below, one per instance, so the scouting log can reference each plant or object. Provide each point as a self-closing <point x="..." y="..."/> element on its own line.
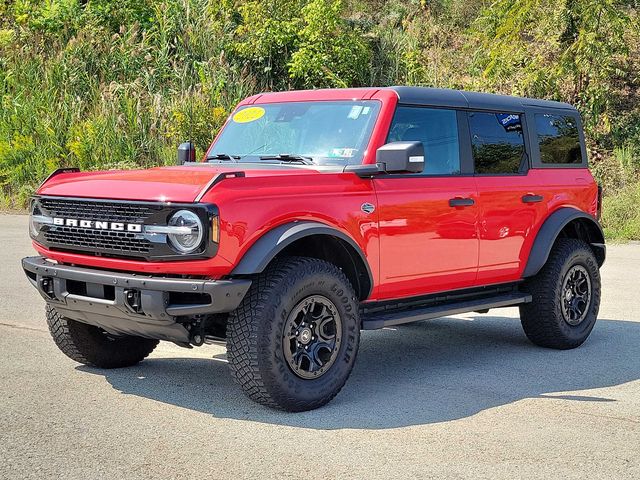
<point x="497" y="142"/>
<point x="558" y="139"/>
<point x="437" y="129"/>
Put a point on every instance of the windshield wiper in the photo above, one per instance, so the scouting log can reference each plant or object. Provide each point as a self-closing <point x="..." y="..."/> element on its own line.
<point x="286" y="157"/>
<point x="223" y="156"/>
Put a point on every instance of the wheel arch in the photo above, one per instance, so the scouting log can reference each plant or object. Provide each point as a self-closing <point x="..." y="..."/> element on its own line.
<point x="310" y="239"/>
<point x="565" y="222"/>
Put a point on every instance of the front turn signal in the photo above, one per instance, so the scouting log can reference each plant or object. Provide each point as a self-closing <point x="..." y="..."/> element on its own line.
<point x="215" y="229"/>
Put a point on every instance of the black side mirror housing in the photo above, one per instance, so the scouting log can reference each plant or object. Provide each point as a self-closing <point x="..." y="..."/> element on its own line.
<point x="396" y="157"/>
<point x="186" y="153"/>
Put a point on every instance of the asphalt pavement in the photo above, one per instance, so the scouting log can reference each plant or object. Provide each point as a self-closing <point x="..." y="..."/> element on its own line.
<point x="458" y="397"/>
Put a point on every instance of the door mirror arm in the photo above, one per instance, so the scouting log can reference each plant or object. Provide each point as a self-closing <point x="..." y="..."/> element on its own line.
<point x="365" y="171"/>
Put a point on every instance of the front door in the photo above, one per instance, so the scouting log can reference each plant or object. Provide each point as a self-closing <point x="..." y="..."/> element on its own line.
<point x="427" y="221"/>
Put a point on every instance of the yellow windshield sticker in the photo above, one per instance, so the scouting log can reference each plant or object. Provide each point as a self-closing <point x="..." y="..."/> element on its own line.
<point x="248" y="115"/>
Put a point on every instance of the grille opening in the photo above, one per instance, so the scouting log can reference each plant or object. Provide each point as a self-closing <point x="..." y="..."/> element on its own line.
<point x="93" y="290"/>
<point x="84" y="238"/>
<point x="77" y="288"/>
<point x="189" y="298"/>
<point x="109" y="292"/>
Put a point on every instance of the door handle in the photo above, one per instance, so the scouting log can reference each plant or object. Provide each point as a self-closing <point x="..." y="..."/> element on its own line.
<point x="530" y="198"/>
<point x="461" y="202"/>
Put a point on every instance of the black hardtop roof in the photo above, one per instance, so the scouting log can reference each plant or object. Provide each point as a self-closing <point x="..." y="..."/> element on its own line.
<point x="474" y="100"/>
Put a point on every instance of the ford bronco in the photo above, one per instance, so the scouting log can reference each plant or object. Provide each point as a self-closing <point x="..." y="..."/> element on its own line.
<point x="315" y="215"/>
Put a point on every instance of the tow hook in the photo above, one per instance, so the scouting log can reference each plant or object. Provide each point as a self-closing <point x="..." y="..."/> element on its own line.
<point x="46" y="285"/>
<point x="133" y="300"/>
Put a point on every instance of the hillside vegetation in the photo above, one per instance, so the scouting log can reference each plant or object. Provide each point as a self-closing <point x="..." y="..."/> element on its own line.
<point x="118" y="84"/>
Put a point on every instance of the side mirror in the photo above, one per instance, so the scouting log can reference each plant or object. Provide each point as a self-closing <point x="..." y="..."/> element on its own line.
<point x="186" y="153"/>
<point x="401" y="157"/>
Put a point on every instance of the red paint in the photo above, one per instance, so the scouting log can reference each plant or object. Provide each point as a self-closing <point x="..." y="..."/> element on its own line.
<point x="415" y="242"/>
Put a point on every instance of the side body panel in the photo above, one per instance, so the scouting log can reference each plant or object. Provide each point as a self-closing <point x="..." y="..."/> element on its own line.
<point x="508" y="226"/>
<point x="426" y="245"/>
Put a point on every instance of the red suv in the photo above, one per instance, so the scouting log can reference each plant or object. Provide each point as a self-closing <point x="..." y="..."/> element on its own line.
<point x="316" y="214"/>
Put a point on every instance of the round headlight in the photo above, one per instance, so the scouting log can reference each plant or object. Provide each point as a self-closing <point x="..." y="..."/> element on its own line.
<point x="34" y="226"/>
<point x="35" y="220"/>
<point x="191" y="239"/>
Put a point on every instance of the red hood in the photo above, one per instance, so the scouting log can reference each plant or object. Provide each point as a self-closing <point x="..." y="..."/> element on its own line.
<point x="165" y="184"/>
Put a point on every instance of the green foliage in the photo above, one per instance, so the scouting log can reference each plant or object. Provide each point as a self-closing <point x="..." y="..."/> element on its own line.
<point x="267" y="34"/>
<point x="330" y="53"/>
<point x="621" y="215"/>
<point x="569" y="50"/>
<point x="118" y="84"/>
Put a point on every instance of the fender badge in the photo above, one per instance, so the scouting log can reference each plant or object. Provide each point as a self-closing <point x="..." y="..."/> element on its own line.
<point x="367" y="208"/>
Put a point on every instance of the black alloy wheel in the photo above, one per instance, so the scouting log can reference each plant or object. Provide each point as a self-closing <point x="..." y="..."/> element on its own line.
<point x="312" y="336"/>
<point x="576" y="295"/>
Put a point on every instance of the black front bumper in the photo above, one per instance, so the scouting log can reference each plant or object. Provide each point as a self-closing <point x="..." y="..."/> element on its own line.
<point x="123" y="303"/>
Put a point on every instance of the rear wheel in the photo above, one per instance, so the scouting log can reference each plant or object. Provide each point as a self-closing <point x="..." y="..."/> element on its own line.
<point x="95" y="347"/>
<point x="293" y="340"/>
<point x="566" y="297"/>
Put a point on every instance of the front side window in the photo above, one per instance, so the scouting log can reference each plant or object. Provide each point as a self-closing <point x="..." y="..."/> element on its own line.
<point x="331" y="133"/>
<point x="558" y="139"/>
<point x="437" y="129"/>
<point x="497" y="142"/>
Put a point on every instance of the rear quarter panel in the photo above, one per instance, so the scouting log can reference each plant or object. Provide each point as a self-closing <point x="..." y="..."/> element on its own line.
<point x="561" y="187"/>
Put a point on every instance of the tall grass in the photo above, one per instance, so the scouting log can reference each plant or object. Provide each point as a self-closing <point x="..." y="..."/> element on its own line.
<point x="80" y="87"/>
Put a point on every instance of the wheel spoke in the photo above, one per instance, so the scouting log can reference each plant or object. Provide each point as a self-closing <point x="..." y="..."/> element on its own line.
<point x="322" y="329"/>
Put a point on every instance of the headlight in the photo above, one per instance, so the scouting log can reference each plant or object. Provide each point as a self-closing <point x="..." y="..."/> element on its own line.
<point x="37" y="220"/>
<point x="190" y="236"/>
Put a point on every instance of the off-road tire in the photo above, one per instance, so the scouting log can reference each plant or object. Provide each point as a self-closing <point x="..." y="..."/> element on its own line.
<point x="542" y="319"/>
<point x="256" y="328"/>
<point x="92" y="346"/>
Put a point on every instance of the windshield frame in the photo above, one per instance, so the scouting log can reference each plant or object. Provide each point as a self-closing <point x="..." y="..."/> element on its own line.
<point x="322" y="161"/>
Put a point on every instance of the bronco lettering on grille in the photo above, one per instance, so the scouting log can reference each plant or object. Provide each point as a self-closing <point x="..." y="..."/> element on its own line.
<point x="116" y="226"/>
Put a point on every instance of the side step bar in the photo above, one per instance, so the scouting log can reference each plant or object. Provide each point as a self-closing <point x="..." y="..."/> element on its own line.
<point x="374" y="321"/>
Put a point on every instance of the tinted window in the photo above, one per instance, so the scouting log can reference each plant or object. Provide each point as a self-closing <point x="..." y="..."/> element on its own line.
<point x="497" y="142"/>
<point x="437" y="130"/>
<point x="558" y="139"/>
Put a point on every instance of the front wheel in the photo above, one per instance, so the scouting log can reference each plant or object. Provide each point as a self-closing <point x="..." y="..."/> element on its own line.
<point x="566" y="297"/>
<point x="293" y="340"/>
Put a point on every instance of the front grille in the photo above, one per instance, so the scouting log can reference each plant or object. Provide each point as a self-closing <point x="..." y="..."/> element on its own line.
<point x="108" y="240"/>
<point x="103" y="211"/>
<point x="124" y="243"/>
<point x="95" y="241"/>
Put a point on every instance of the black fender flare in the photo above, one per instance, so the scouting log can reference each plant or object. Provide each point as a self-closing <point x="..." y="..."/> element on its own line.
<point x="549" y="232"/>
<point x="265" y="249"/>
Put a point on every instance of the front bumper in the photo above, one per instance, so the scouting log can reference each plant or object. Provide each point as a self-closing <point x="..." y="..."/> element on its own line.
<point x="130" y="304"/>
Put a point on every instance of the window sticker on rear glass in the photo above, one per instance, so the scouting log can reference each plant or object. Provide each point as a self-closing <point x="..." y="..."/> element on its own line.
<point x="343" y="152"/>
<point x="247" y="115"/>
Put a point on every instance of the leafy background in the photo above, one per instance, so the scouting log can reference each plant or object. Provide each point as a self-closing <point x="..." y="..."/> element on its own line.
<point x="118" y="84"/>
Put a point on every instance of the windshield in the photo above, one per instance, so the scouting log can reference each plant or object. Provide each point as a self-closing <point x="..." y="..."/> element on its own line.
<point x="330" y="133"/>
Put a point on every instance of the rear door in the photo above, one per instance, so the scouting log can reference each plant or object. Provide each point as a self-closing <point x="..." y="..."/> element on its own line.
<point x="427" y="221"/>
<point x="511" y="202"/>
